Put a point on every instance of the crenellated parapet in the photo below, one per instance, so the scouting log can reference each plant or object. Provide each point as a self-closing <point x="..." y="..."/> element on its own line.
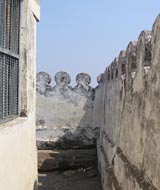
<point x="122" y="64"/>
<point x="100" y="78"/>
<point x="136" y="58"/>
<point x="63" y="87"/>
<point x="43" y="81"/>
<point x="83" y="81"/>
<point x="132" y="58"/>
<point x="62" y="79"/>
<point x="127" y="109"/>
<point x="65" y="112"/>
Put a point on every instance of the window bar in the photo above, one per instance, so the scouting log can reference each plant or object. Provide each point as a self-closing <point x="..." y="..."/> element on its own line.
<point x="9" y="57"/>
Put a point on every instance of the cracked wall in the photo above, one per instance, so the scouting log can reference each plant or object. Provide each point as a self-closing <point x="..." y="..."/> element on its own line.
<point x="127" y="110"/>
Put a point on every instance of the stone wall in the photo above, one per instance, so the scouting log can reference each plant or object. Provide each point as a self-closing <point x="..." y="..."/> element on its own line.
<point x="65" y="113"/>
<point x="127" y="110"/>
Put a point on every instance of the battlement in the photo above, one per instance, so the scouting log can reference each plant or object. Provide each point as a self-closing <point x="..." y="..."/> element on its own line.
<point x="65" y="113"/>
<point x="127" y="65"/>
<point x="127" y="107"/>
<point x="62" y="86"/>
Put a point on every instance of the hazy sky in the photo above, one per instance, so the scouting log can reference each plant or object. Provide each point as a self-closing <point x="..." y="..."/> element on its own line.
<point x="85" y="35"/>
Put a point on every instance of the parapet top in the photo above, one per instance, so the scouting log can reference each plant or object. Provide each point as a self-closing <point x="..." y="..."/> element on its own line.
<point x="83" y="79"/>
<point x="100" y="78"/>
<point x="62" y="78"/>
<point x="43" y="77"/>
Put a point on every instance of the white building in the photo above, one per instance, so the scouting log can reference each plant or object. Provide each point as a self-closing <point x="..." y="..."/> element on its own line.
<point x="18" y="158"/>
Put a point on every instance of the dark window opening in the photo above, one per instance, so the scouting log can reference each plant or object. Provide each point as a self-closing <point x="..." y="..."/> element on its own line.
<point x="9" y="57"/>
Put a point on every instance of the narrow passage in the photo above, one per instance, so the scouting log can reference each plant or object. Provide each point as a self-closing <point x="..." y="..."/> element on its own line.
<point x="63" y="171"/>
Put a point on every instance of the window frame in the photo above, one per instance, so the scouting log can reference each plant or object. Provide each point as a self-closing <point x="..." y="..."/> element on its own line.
<point x="13" y="55"/>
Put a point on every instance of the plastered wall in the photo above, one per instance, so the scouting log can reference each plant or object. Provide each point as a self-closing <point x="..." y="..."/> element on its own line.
<point x="65" y="113"/>
<point x="18" y="157"/>
<point x="127" y="109"/>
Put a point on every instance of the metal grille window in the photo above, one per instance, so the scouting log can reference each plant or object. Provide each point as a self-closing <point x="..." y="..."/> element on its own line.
<point x="9" y="57"/>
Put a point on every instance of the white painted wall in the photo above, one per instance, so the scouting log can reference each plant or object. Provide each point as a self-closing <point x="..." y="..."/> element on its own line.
<point x="18" y="157"/>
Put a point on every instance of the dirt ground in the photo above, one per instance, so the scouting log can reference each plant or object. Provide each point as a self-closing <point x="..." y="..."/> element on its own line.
<point x="70" y="180"/>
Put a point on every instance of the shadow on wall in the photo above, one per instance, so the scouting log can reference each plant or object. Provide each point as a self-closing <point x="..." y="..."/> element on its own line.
<point x="35" y="186"/>
<point x="65" y="113"/>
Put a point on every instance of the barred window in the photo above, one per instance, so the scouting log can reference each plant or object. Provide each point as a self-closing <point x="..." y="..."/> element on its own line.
<point x="9" y="57"/>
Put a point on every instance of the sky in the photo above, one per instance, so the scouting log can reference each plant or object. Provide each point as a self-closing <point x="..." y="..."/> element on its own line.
<point x="86" y="35"/>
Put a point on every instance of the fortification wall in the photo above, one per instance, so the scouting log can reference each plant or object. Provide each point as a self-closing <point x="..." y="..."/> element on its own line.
<point x="65" y="113"/>
<point x="127" y="110"/>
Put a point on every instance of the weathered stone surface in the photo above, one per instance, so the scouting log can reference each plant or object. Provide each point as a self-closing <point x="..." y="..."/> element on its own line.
<point x="100" y="78"/>
<point x="62" y="79"/>
<point x="128" y="115"/>
<point x="67" y="138"/>
<point x="64" y="113"/>
<point x="43" y="81"/>
<point x="83" y="80"/>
